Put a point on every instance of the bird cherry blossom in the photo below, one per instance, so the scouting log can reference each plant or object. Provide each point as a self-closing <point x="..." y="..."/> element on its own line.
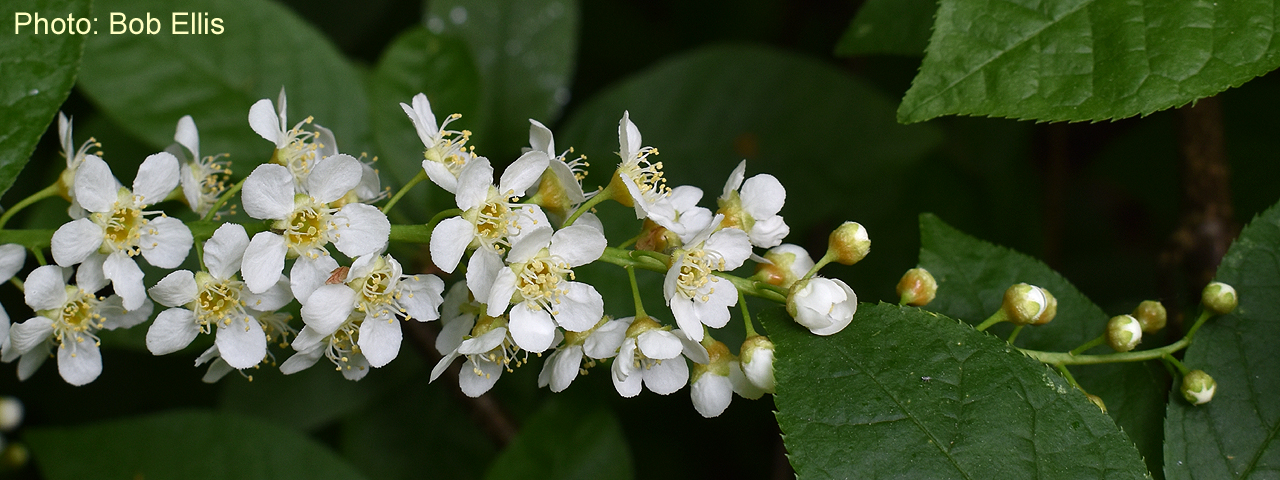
<point x="695" y="294"/>
<point x="446" y="152"/>
<point x="823" y="305"/>
<point x="755" y="207"/>
<point x="652" y="356"/>
<point x="306" y="218"/>
<point x="202" y="178"/>
<point x="643" y="179"/>
<point x="490" y="216"/>
<point x="580" y="351"/>
<point x="67" y="316"/>
<point x="117" y="228"/>
<point x="296" y="149"/>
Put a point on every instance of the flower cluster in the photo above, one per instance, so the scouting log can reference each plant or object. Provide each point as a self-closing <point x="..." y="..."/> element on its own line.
<point x="315" y="239"/>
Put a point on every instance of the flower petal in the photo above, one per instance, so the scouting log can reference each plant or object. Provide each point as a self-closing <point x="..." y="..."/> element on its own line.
<point x="380" y="339"/>
<point x="733" y="245"/>
<point x="89" y="274"/>
<point x="667" y="377"/>
<point x="327" y="308"/>
<point x="308" y="274"/>
<point x="735" y="179"/>
<point x="532" y="329"/>
<point x="474" y="182"/>
<point x="424" y="120"/>
<point x="30" y="362"/>
<point x="45" y="289"/>
<point x="115" y="316"/>
<point x="332" y="177"/>
<point x="263" y="120"/>
<point x="224" y="251"/>
<point x="499" y="295"/>
<point x="659" y="344"/>
<point x="263" y="261"/>
<point x="711" y="394"/>
<point x="242" y="344"/>
<point x="175" y="289"/>
<point x="687" y="317"/>
<point x="273" y="298"/>
<point x="540" y="137"/>
<point x="580" y="308"/>
<point x="12" y="257"/>
<point x="476" y="378"/>
<point x="172" y="330"/>
<point x="441" y="175"/>
<point x="449" y="240"/>
<point x="268" y="192"/>
<point x="522" y="173"/>
<point x="79" y="360"/>
<point x="301" y="361"/>
<point x="578" y="245"/>
<point x="604" y="341"/>
<point x="26" y="336"/>
<point x="188" y="136"/>
<point x="165" y="242"/>
<point x="157" y="176"/>
<point x="360" y="229"/>
<point x="564" y="367"/>
<point x="96" y="188"/>
<point x="763" y="196"/>
<point x="75" y="240"/>
<point x="420" y="297"/>
<point x="126" y="279"/>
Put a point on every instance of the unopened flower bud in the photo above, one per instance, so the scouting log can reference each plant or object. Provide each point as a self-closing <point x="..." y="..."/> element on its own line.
<point x="1219" y="298"/>
<point x="787" y="264"/>
<point x="10" y="413"/>
<point x="849" y="243"/>
<point x="1198" y="387"/>
<point x="15" y="456"/>
<point x="757" y="362"/>
<point x="823" y="305"/>
<point x="1151" y="315"/>
<point x="1097" y="401"/>
<point x="1123" y="333"/>
<point x="1029" y="305"/>
<point x="709" y="384"/>
<point x="917" y="287"/>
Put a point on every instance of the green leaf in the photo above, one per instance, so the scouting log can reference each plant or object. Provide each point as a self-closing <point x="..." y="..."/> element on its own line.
<point x="1234" y="435"/>
<point x="1077" y="60"/>
<point x="588" y="443"/>
<point x="972" y="277"/>
<point x="192" y="444"/>
<point x="889" y="27"/>
<point x="906" y="393"/>
<point x="38" y="71"/>
<point x="418" y="61"/>
<point x="525" y="51"/>
<point x="147" y="82"/>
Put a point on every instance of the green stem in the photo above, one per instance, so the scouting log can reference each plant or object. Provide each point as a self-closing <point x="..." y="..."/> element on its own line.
<point x="746" y="315"/>
<point x="1090" y="344"/>
<point x="602" y="195"/>
<point x="422" y="175"/>
<point x="226" y="197"/>
<point x="47" y="192"/>
<point x="632" y="241"/>
<point x="1067" y="373"/>
<point x="635" y="290"/>
<point x="431" y="225"/>
<point x="1204" y="316"/>
<point x="1177" y="364"/>
<point x="411" y="234"/>
<point x="1066" y="358"/>
<point x="995" y="318"/>
<point x="822" y="262"/>
<point x="39" y="254"/>
<point x="1014" y="336"/>
<point x="18" y="283"/>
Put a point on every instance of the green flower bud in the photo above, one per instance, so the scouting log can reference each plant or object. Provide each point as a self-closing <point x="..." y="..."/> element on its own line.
<point x="1096" y="401"/>
<point x="1123" y="333"/>
<point x="849" y="243"/>
<point x="787" y="263"/>
<point x="917" y="287"/>
<point x="757" y="362"/>
<point x="1029" y="305"/>
<point x="1151" y="315"/>
<point x="1219" y="298"/>
<point x="1198" y="387"/>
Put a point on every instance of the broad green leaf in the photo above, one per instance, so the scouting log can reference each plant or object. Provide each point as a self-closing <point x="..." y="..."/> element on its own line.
<point x="1077" y="60"/>
<point x="588" y="443"/>
<point x="972" y="277"/>
<point x="388" y="440"/>
<point x="889" y="27"/>
<point x="906" y="393"/>
<point x="419" y="61"/>
<point x="147" y="82"/>
<point x="525" y="51"/>
<point x="38" y="72"/>
<point x="1234" y="435"/>
<point x="190" y="444"/>
<point x="828" y="137"/>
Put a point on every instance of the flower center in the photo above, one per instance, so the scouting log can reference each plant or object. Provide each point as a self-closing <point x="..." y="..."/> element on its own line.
<point x="377" y="290"/>
<point x="695" y="274"/>
<point x="541" y="282"/>
<point x="307" y="227"/>
<point x="218" y="303"/>
<point x="121" y="229"/>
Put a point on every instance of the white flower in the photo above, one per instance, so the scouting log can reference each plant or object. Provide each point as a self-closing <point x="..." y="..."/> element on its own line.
<point x="296" y="149"/>
<point x="568" y="173"/>
<point x="365" y="305"/>
<point x="714" y="383"/>
<point x="12" y="257"/>
<point x="202" y="178"/>
<point x="757" y="363"/>
<point x="755" y="209"/>
<point x="823" y="305"/>
<point x="643" y="179"/>
<point x="118" y="229"/>
<point x="487" y="347"/>
<point x="537" y="281"/>
<point x="697" y="296"/>
<point x="652" y="356"/>
<point x="306" y="220"/>
<point x="216" y="299"/>
<point x="680" y="213"/>
<point x="74" y="157"/>
<point x="490" y="216"/>
<point x="580" y="351"/>
<point x="67" y="316"/>
<point x="445" y="154"/>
